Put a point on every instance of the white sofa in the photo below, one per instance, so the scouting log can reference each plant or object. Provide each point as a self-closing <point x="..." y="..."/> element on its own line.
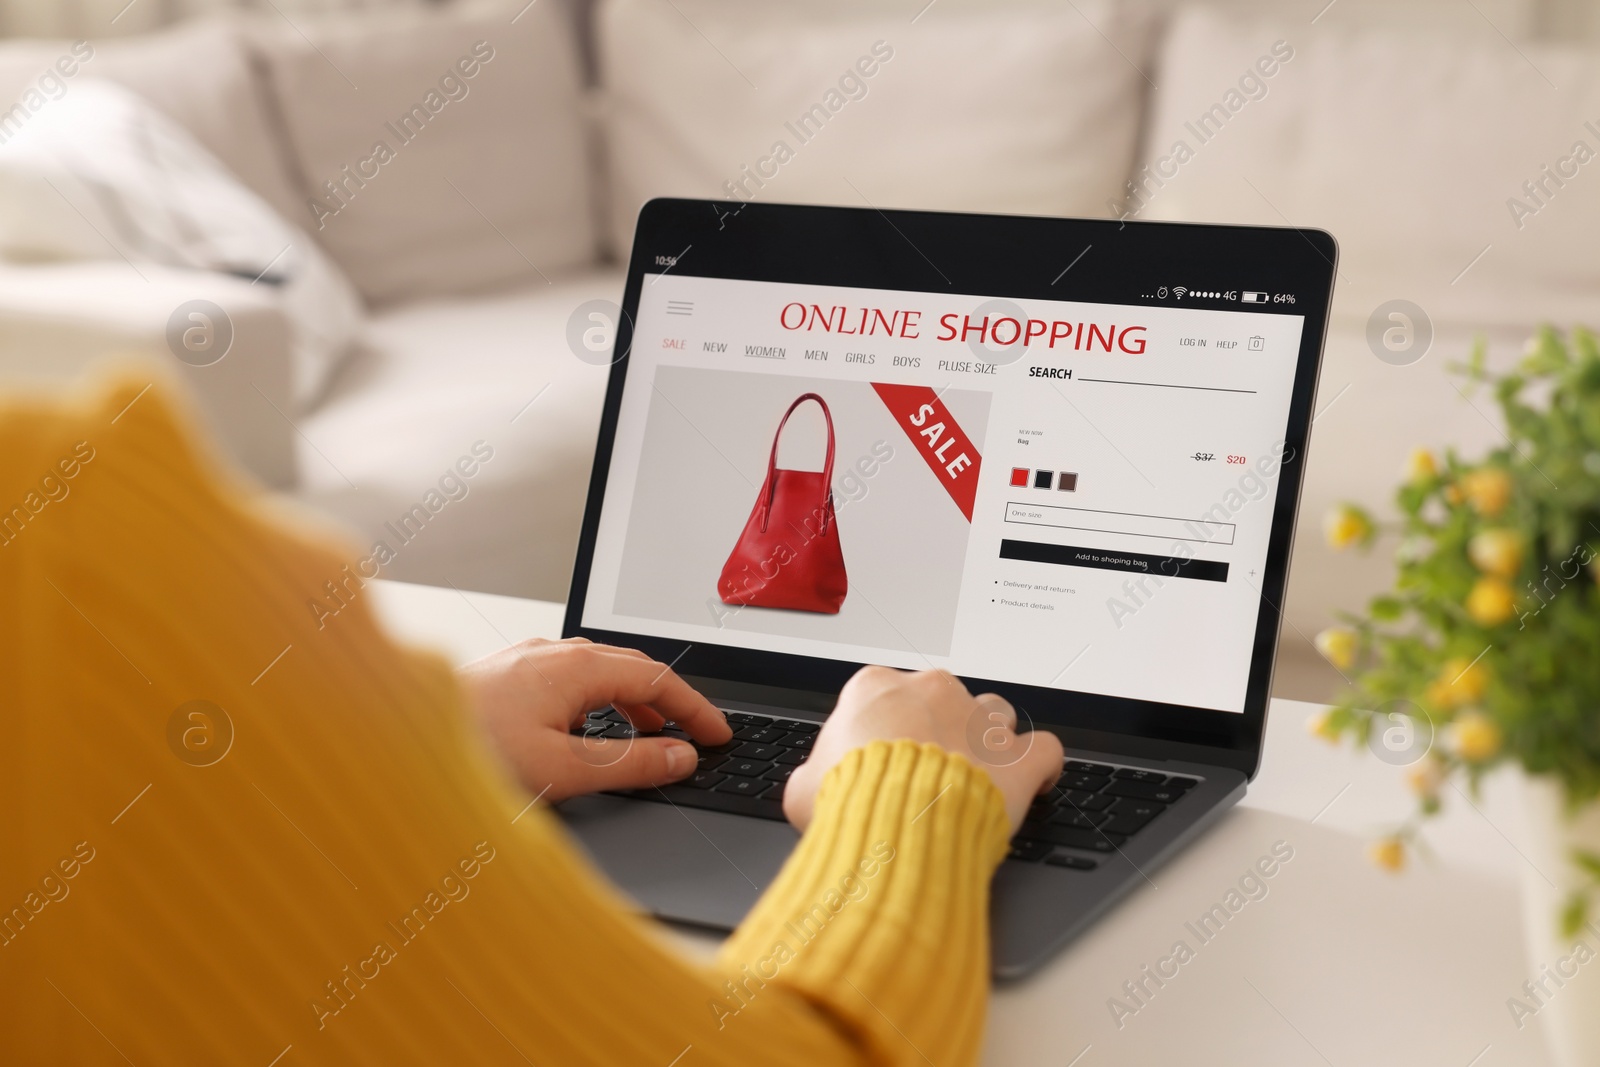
<point x="1402" y="129"/>
<point x="470" y="251"/>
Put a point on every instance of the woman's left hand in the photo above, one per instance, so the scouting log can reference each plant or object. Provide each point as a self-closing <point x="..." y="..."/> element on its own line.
<point x="529" y="696"/>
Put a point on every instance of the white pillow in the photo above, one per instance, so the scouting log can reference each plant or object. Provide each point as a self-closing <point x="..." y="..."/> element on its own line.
<point x="101" y="174"/>
<point x="1023" y="108"/>
<point x="485" y="175"/>
<point x="197" y="73"/>
<point x="1409" y="150"/>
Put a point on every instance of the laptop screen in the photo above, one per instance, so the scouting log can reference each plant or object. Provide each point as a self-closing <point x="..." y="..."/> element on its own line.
<point x="1056" y="493"/>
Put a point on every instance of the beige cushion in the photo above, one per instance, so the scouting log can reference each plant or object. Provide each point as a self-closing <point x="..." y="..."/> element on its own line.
<point x="432" y="378"/>
<point x="1024" y="108"/>
<point x="487" y="180"/>
<point x="1410" y="151"/>
<point x="198" y="74"/>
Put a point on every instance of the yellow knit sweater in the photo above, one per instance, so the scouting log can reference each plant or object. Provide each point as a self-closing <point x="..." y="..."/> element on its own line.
<point x="320" y="864"/>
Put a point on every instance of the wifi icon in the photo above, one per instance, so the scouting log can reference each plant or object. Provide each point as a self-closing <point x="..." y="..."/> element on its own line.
<point x="1178" y="291"/>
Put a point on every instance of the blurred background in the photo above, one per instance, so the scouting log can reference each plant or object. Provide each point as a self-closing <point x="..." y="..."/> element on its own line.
<point x="365" y="234"/>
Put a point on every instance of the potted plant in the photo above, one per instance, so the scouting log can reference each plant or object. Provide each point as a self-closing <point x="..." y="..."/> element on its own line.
<point x="1487" y="652"/>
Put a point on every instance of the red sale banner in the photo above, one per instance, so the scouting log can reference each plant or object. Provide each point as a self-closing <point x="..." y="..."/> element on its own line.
<point x="950" y="453"/>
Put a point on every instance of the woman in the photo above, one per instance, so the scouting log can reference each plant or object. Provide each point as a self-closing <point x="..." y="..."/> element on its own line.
<point x="238" y="830"/>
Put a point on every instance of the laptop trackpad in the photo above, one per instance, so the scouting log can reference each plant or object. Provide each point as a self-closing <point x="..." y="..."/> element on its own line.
<point x="683" y="864"/>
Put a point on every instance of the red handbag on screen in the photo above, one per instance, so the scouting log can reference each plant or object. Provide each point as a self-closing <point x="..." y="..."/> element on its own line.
<point x="788" y="555"/>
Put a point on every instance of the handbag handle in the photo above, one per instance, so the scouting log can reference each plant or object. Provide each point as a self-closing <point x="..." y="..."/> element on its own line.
<point x="772" y="459"/>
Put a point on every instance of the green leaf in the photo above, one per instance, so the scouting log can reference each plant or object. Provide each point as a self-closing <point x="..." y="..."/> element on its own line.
<point x="1574" y="914"/>
<point x="1386" y="608"/>
<point x="1411" y="498"/>
<point x="1588" y="861"/>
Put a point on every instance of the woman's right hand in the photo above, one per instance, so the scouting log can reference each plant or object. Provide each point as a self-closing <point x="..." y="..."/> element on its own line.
<point x="880" y="704"/>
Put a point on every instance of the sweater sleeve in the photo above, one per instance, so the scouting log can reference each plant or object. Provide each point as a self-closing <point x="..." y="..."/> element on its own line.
<point x="244" y="827"/>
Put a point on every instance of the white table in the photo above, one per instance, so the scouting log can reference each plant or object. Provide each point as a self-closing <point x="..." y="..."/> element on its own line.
<point x="1338" y="964"/>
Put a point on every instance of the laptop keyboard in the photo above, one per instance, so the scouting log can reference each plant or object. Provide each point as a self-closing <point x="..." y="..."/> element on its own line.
<point x="746" y="776"/>
<point x="1094" y="808"/>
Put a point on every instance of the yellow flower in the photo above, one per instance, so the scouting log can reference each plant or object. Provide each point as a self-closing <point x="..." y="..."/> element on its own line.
<point x="1338" y="645"/>
<point x="1425" y="777"/>
<point x="1388" y="853"/>
<point x="1491" y="602"/>
<point x="1321" y="725"/>
<point x="1476" y="737"/>
<point x="1460" y="681"/>
<point x="1452" y="494"/>
<point x="1420" y="466"/>
<point x="1496" y="552"/>
<point x="1489" y="490"/>
<point x="1347" y="525"/>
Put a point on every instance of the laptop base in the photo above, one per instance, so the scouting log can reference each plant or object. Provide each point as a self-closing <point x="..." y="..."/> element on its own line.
<point x="708" y="868"/>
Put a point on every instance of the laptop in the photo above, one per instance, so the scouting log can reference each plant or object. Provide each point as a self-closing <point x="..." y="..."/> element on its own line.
<point x="1060" y="458"/>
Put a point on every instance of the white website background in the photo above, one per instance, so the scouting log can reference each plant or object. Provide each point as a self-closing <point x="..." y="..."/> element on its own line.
<point x="1171" y="441"/>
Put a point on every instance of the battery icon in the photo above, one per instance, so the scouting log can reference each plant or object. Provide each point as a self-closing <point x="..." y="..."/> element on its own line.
<point x="1253" y="298"/>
